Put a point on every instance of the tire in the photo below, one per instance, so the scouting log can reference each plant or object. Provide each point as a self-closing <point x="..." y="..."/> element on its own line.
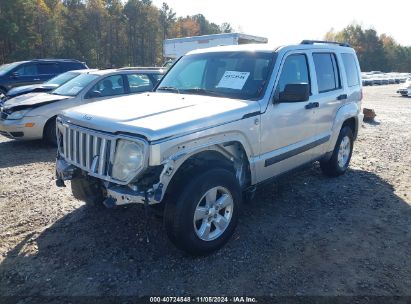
<point x="191" y="235"/>
<point x="50" y="132"/>
<point x="340" y="159"/>
<point x="87" y="190"/>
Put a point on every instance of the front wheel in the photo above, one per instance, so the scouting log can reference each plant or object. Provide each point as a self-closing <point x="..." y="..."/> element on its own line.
<point x="340" y="159"/>
<point x="205" y="211"/>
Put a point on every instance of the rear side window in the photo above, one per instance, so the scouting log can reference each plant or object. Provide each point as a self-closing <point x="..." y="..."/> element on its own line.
<point x="295" y="70"/>
<point x="48" y="69"/>
<point x="139" y="83"/>
<point x="351" y="69"/>
<point x="28" y="70"/>
<point x="327" y="71"/>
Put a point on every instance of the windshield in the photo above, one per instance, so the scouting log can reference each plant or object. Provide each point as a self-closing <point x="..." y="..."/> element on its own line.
<point x="76" y="85"/>
<point x="240" y="75"/>
<point x="5" y="68"/>
<point x="62" y="78"/>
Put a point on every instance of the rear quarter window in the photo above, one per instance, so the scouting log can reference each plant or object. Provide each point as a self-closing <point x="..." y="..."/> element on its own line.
<point x="351" y="69"/>
<point x="69" y="66"/>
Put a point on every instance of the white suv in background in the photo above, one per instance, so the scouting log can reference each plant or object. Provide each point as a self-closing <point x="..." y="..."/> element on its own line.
<point x="222" y="121"/>
<point x="405" y="89"/>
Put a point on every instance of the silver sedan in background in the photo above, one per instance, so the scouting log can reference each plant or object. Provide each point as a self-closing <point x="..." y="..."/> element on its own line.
<point x="33" y="116"/>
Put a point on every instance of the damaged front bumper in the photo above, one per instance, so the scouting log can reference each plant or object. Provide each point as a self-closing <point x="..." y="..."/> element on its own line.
<point x="27" y="128"/>
<point x="115" y="195"/>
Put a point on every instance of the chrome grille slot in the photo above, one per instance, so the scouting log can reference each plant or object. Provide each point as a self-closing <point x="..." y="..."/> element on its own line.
<point x="88" y="150"/>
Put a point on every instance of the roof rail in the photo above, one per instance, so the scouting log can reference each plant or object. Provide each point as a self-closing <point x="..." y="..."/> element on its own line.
<point x="328" y="42"/>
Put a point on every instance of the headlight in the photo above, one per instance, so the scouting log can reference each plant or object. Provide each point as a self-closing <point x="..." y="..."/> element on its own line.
<point x="17" y="114"/>
<point x="128" y="161"/>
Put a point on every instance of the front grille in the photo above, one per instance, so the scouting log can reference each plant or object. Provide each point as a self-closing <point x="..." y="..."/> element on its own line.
<point x="88" y="150"/>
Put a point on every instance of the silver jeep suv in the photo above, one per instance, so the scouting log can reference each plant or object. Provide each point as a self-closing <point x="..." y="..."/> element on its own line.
<point x="221" y="121"/>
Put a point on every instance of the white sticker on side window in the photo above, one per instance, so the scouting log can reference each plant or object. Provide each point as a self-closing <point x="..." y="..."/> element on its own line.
<point x="233" y="80"/>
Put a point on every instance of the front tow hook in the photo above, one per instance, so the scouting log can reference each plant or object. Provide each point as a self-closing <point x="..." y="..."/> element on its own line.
<point x="109" y="202"/>
<point x="60" y="183"/>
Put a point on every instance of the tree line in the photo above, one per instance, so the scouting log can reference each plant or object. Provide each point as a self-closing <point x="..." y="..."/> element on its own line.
<point x="115" y="33"/>
<point x="103" y="33"/>
<point x="375" y="53"/>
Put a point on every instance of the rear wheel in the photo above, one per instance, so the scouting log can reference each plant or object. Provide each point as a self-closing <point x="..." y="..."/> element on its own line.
<point x="340" y="159"/>
<point x="50" y="132"/>
<point x="201" y="216"/>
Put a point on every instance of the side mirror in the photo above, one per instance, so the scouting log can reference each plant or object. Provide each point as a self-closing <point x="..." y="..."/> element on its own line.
<point x="14" y="75"/>
<point x="295" y="92"/>
<point x="94" y="94"/>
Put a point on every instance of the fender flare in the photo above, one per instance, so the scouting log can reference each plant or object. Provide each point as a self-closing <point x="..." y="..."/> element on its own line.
<point x="182" y="152"/>
<point x="347" y="111"/>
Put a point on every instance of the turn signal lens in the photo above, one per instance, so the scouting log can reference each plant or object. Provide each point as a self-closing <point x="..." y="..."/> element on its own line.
<point x="29" y="124"/>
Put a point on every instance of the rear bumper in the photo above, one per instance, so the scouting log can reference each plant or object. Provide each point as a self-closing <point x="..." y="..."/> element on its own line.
<point x="360" y="117"/>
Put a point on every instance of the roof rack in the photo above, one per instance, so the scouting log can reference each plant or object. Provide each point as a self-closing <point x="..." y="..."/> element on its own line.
<point x="54" y="59"/>
<point x="327" y="42"/>
<point x="141" y="68"/>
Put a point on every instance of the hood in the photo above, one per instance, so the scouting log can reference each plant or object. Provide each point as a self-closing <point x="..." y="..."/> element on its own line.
<point x="31" y="88"/>
<point x="159" y="115"/>
<point x="32" y="100"/>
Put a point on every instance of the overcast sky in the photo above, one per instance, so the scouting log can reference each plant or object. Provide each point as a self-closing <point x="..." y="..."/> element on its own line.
<point x="290" y="21"/>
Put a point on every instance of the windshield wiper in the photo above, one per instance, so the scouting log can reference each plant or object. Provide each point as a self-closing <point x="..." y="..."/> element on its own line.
<point x="202" y="91"/>
<point x="172" y="89"/>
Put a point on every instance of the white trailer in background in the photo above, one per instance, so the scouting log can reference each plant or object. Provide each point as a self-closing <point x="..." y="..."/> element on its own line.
<point x="177" y="47"/>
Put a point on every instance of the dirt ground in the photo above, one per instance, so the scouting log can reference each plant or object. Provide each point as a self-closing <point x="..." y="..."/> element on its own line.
<point x="304" y="235"/>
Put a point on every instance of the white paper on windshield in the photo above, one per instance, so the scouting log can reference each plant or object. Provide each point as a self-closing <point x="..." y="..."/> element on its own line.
<point x="233" y="80"/>
<point x="74" y="90"/>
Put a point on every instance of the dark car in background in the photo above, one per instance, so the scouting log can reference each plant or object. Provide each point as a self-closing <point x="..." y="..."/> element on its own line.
<point x="35" y="71"/>
<point x="47" y="86"/>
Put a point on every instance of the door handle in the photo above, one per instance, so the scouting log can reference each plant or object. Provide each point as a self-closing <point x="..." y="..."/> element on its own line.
<point x="342" y="97"/>
<point x="36" y="79"/>
<point x="312" y="105"/>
